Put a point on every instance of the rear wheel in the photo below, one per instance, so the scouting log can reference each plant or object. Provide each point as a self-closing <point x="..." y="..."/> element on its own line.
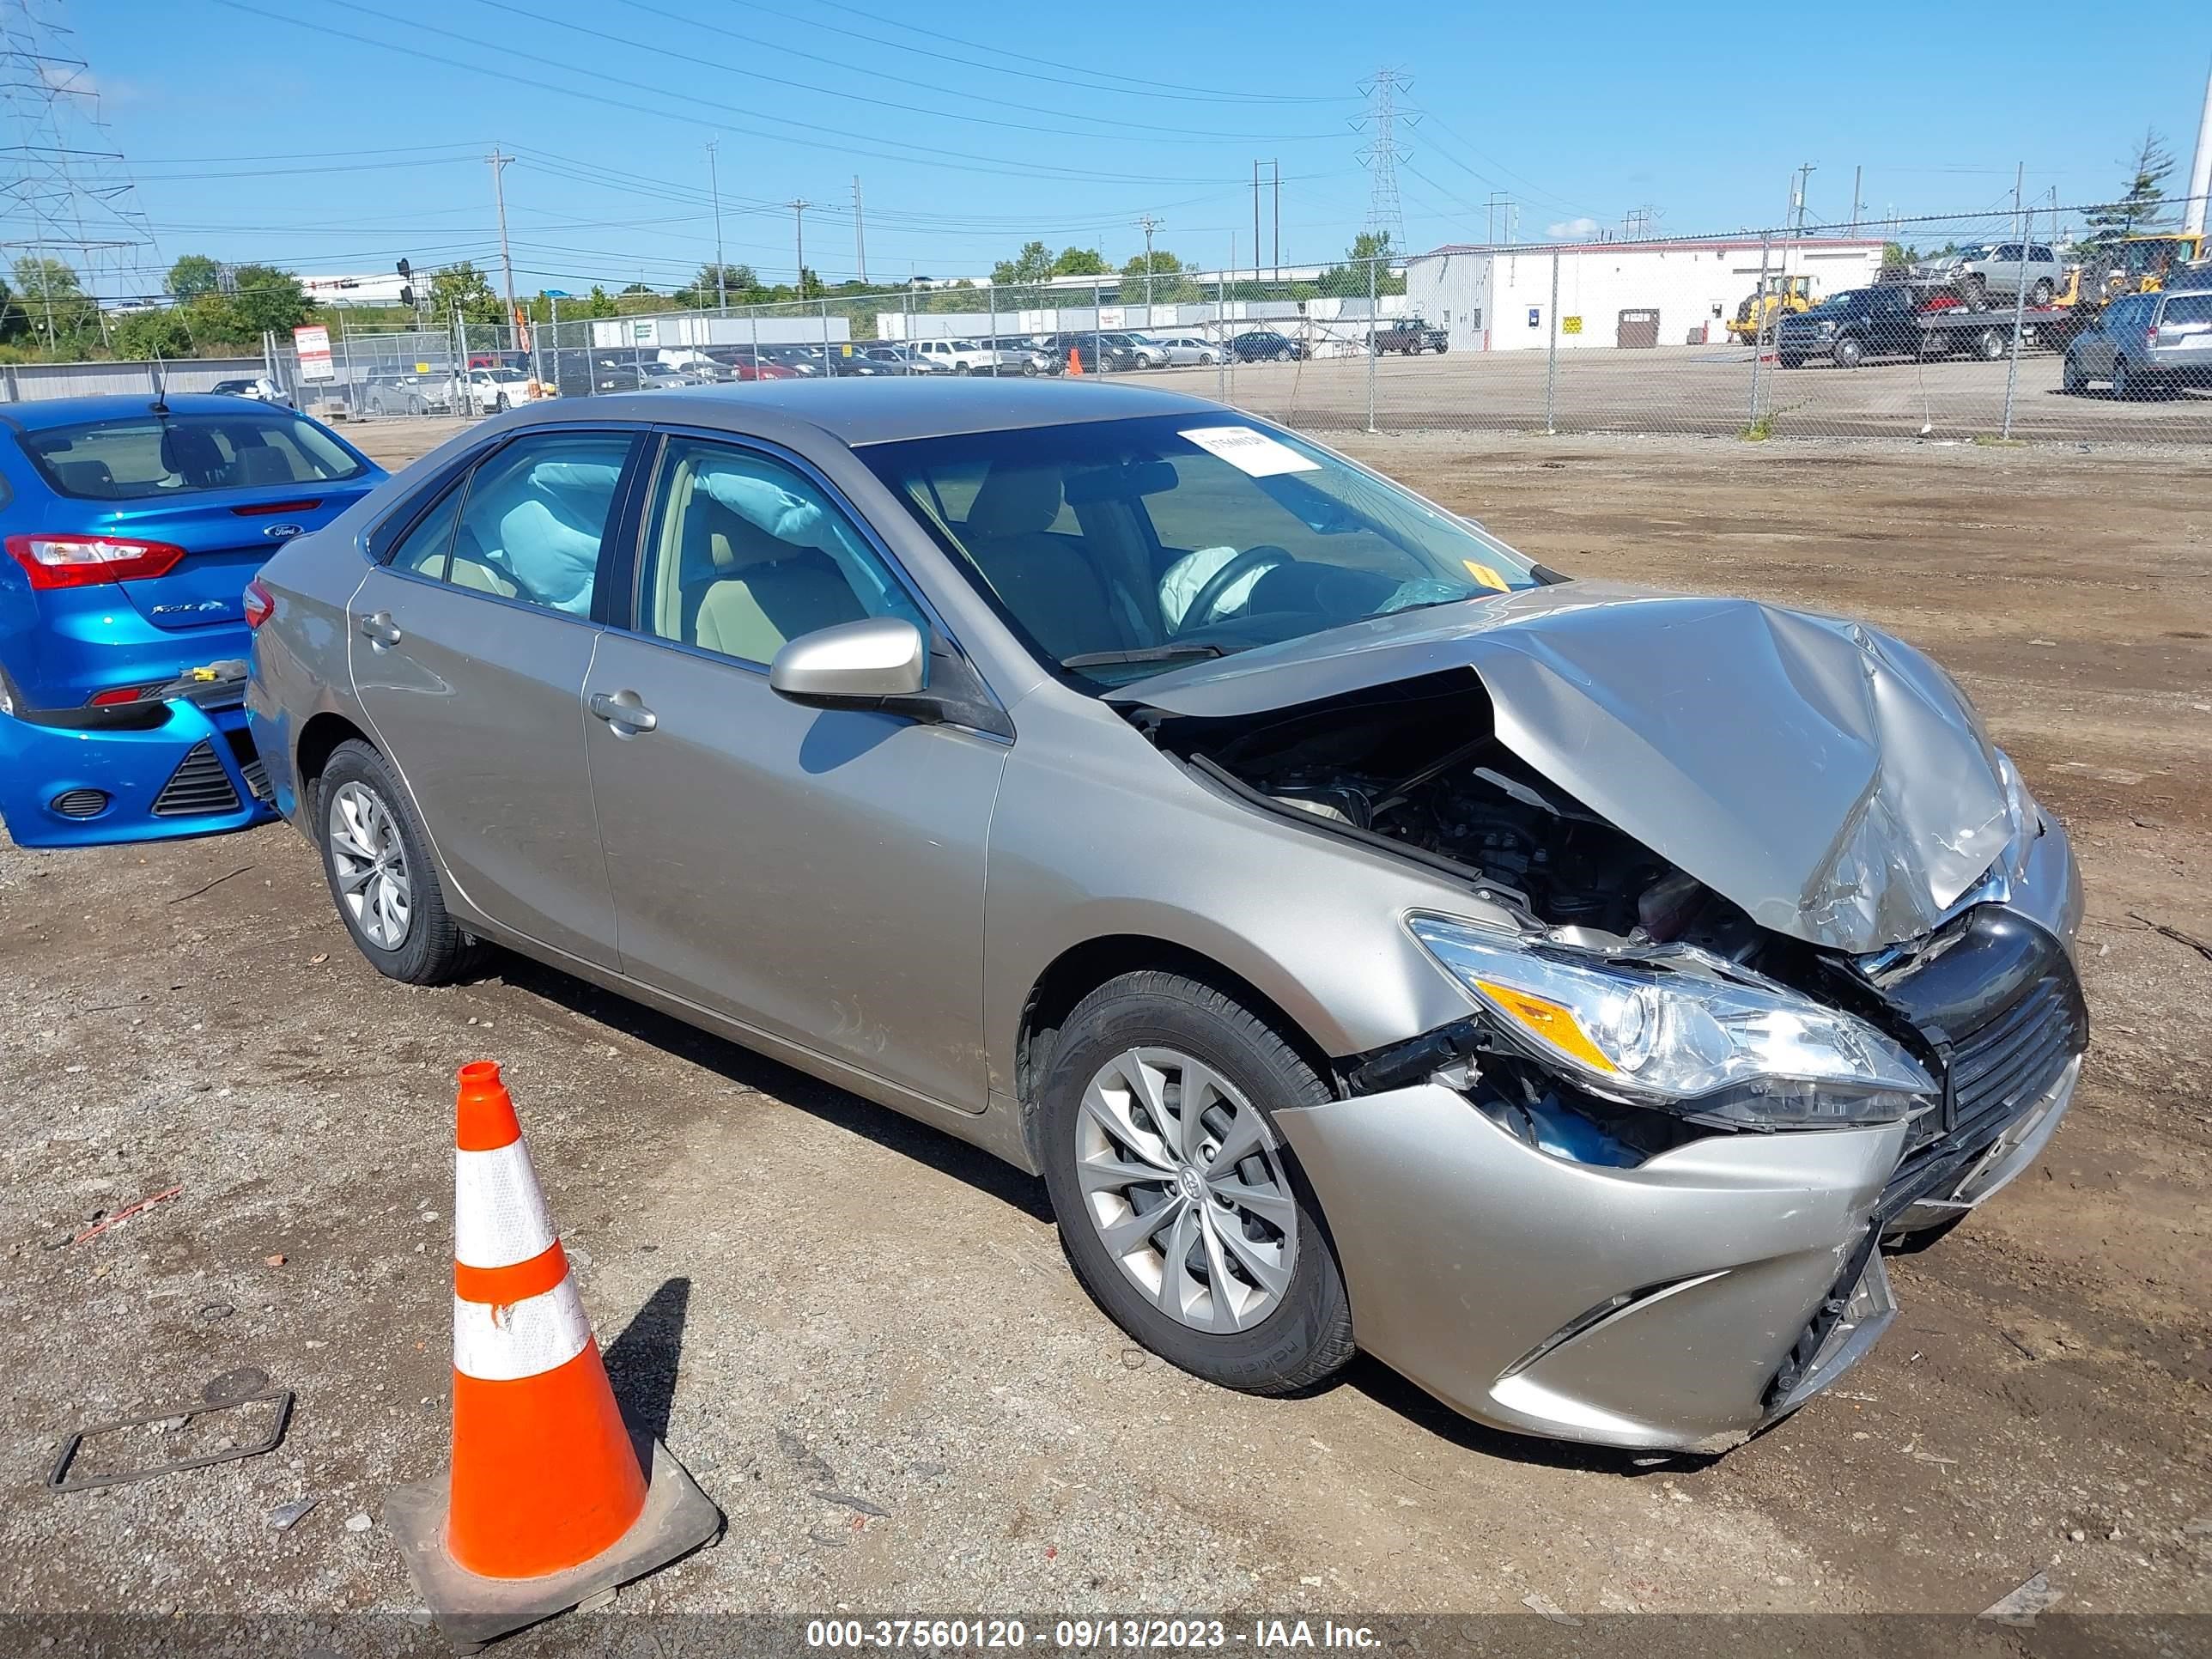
<point x="2071" y="379"/>
<point x="2041" y="293"/>
<point x="1990" y="344"/>
<point x="2124" y="384"/>
<point x="376" y="857"/>
<point x="1182" y="1209"/>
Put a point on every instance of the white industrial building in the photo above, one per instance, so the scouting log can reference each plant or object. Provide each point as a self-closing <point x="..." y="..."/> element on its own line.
<point x="1616" y="293"/>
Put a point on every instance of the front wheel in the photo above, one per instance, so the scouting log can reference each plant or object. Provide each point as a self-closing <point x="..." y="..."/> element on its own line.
<point x="1849" y="353"/>
<point x="376" y="857"/>
<point x="2041" y="293"/>
<point x="1990" y="344"/>
<point x="1181" y="1208"/>
<point x="2124" y="384"/>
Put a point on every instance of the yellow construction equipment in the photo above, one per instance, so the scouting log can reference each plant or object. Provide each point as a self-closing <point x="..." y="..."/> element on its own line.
<point x="2135" y="265"/>
<point x="1754" y="318"/>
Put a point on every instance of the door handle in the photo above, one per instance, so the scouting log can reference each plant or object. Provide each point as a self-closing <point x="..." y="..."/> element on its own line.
<point x="379" y="630"/>
<point x="624" y="711"/>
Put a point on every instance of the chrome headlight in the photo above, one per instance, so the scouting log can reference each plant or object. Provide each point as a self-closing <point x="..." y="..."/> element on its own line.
<point x="1682" y="1030"/>
<point x="1827" y="328"/>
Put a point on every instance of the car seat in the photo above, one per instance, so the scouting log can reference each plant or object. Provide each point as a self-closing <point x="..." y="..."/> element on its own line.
<point x="766" y="591"/>
<point x="1055" y="591"/>
<point x="84" y="477"/>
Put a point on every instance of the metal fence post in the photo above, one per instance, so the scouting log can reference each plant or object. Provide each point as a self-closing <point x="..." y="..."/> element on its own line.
<point x="1221" y="330"/>
<point x="2018" y="300"/>
<point x="991" y="298"/>
<point x="1758" y="322"/>
<point x="1097" y="333"/>
<point x="1552" y="354"/>
<point x="825" y="337"/>
<point x="1371" y="353"/>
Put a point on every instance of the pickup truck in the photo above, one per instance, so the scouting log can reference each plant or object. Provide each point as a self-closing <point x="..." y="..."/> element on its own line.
<point x="1898" y="320"/>
<point x="1409" y="335"/>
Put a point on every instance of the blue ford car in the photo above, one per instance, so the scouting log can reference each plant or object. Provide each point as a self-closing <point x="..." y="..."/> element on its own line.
<point x="131" y="527"/>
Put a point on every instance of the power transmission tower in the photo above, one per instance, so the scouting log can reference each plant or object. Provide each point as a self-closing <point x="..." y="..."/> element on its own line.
<point x="1381" y="154"/>
<point x="66" y="194"/>
<point x="1639" y="223"/>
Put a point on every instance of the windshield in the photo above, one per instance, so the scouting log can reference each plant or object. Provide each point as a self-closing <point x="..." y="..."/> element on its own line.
<point x="1117" y="549"/>
<point x="1838" y="304"/>
<point x="138" y="457"/>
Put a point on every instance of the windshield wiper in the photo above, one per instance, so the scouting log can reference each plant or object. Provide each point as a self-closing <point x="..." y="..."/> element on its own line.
<point x="1142" y="654"/>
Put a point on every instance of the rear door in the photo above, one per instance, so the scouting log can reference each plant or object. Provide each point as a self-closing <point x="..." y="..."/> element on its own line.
<point x="469" y="646"/>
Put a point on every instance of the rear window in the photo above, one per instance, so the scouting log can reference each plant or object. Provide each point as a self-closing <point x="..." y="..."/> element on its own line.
<point x="2189" y="308"/>
<point x="142" y="457"/>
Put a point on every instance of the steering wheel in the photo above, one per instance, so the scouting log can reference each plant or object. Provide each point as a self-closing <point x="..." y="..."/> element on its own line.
<point x="1200" y="611"/>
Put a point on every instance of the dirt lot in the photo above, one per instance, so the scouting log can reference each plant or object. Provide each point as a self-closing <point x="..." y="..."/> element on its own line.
<point x="787" y="1273"/>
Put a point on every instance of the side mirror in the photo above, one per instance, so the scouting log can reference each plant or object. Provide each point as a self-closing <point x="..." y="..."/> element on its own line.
<point x="856" y="665"/>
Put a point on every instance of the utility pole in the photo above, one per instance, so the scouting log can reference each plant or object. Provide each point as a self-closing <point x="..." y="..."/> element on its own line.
<point x="1498" y="198"/>
<point x="506" y="259"/>
<point x="714" y="183"/>
<point x="1148" y="225"/>
<point x="859" y="233"/>
<point x="1805" y="172"/>
<point x="1857" y="206"/>
<point x="2019" y="296"/>
<point x="1278" y="167"/>
<point x="1255" y="222"/>
<point x="799" y="206"/>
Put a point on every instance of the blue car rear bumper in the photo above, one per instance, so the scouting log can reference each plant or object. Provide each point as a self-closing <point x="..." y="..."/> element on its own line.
<point x="154" y="771"/>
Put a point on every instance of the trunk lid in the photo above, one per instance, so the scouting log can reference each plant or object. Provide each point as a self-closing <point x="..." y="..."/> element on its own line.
<point x="226" y="535"/>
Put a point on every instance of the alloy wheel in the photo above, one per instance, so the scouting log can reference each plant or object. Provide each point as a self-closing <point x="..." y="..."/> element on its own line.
<point x="370" y="861"/>
<point x="1184" y="1183"/>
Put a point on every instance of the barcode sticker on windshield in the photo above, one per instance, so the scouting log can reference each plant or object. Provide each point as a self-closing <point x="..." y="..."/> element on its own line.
<point x="1250" y="452"/>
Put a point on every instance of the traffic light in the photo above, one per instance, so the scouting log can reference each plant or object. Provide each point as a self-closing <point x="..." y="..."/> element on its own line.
<point x="406" y="286"/>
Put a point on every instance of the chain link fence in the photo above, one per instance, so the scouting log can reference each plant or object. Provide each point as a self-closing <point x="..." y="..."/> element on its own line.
<point x="1972" y="327"/>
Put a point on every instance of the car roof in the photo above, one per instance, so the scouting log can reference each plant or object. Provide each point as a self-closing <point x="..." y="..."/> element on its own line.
<point x="857" y="412"/>
<point x="38" y="414"/>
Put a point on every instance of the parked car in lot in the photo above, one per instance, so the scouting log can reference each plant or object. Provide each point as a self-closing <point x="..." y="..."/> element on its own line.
<point x="1182" y="350"/>
<point x="407" y="394"/>
<point x="1408" y="337"/>
<point x="1143" y="353"/>
<point x="1098" y="352"/>
<point x="905" y="360"/>
<point x="1033" y="358"/>
<point x="257" y="387"/>
<point x="132" y="529"/>
<point x="2144" y="343"/>
<point x="488" y="390"/>
<point x="968" y="356"/>
<point x="1557" y="989"/>
<point x="1265" y="345"/>
<point x="744" y="365"/>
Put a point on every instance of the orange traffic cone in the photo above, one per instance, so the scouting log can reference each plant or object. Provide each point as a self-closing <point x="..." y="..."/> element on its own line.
<point x="1074" y="361"/>
<point x="550" y="1501"/>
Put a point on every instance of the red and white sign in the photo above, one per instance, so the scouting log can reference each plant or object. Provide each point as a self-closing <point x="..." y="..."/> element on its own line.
<point x="314" y="344"/>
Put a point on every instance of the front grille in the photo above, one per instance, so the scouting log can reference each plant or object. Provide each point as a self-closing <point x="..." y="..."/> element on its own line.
<point x="2012" y="1060"/>
<point x="199" y="787"/>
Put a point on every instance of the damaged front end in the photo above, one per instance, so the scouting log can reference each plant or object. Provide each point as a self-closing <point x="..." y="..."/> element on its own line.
<point x="1636" y="1196"/>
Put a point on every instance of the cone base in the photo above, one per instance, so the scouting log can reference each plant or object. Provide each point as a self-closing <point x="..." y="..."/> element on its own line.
<point x="471" y="1611"/>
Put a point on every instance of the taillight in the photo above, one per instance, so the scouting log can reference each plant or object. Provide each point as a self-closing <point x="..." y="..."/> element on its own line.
<point x="264" y="509"/>
<point x="2150" y="339"/>
<point x="260" y="603"/>
<point x="89" y="561"/>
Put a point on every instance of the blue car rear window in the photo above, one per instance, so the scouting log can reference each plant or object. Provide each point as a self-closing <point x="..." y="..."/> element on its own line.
<point x="141" y="457"/>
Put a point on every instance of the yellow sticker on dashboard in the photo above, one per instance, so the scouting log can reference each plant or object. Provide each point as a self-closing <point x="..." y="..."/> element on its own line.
<point x="1486" y="576"/>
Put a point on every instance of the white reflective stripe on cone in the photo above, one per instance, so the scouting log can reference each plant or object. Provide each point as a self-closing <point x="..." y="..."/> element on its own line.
<point x="522" y="1339"/>
<point x="499" y="1214"/>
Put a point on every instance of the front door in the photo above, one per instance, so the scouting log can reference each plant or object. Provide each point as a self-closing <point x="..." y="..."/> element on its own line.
<point x="816" y="874"/>
<point x="469" y="646"/>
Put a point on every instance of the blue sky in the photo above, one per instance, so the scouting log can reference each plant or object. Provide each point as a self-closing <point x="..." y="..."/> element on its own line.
<point x="275" y="130"/>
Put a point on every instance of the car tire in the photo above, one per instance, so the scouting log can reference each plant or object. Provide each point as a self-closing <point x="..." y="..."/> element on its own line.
<point x="363" y="816"/>
<point x="1442" y="346"/>
<point x="2071" y="380"/>
<point x="500" y="405"/>
<point x="1285" y="1323"/>
<point x="2041" y="293"/>
<point x="1848" y="352"/>
<point x="1789" y="360"/>
<point x="2123" y="386"/>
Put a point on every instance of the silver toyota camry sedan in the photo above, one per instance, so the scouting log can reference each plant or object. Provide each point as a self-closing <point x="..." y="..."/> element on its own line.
<point x="1559" y="989"/>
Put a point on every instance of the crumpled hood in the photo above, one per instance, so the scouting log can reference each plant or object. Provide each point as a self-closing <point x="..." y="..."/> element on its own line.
<point x="1826" y="777"/>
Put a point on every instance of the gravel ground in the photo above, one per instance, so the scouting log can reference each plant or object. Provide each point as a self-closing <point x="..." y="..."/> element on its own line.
<point x="811" y="1296"/>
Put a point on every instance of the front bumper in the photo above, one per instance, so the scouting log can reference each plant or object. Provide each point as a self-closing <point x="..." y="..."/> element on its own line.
<point x="156" y="771"/>
<point x="1654" y="1307"/>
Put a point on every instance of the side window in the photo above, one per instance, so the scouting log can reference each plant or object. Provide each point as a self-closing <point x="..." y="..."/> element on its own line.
<point x="424" y="549"/>
<point x="535" y="518"/>
<point x="746" y="553"/>
<point x="2188" y="308"/>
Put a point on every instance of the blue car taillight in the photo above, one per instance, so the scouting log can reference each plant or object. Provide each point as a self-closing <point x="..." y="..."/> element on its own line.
<point x="56" y="562"/>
